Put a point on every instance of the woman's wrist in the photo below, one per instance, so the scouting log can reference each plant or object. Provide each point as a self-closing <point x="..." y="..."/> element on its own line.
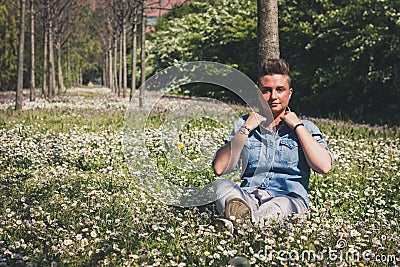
<point x="244" y="130"/>
<point x="297" y="125"/>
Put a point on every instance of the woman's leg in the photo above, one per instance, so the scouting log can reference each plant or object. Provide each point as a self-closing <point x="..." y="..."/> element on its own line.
<point x="228" y="189"/>
<point x="277" y="207"/>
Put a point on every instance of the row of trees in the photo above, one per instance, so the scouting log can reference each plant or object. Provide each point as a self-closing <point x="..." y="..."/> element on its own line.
<point x="56" y="22"/>
<point x="77" y="43"/>
<point x="57" y="45"/>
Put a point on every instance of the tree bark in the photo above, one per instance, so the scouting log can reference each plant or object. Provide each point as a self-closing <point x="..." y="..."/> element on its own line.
<point x="52" y="78"/>
<point x="125" y="70"/>
<point x="20" y="83"/>
<point x="268" y="31"/>
<point x="120" y="66"/>
<point x="68" y="65"/>
<point x="105" y="69"/>
<point x="32" y="94"/>
<point x="80" y="77"/>
<point x="115" y="66"/>
<point x="45" y="56"/>
<point x="61" y="86"/>
<point x="143" y="56"/>
<point x="134" y="48"/>
<point x="110" y="66"/>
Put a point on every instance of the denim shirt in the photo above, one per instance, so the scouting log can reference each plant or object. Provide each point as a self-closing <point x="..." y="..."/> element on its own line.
<point x="276" y="161"/>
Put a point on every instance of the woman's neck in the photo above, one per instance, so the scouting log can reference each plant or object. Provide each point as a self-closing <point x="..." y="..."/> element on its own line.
<point x="275" y="124"/>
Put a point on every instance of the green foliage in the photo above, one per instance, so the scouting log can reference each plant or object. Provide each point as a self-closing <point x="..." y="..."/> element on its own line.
<point x="8" y="44"/>
<point x="222" y="31"/>
<point x="86" y="44"/>
<point x="345" y="56"/>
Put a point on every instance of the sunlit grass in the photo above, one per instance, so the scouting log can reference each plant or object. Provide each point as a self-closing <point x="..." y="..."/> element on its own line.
<point x="68" y="198"/>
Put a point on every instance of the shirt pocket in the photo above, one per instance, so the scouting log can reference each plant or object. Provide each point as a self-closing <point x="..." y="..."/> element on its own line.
<point x="289" y="152"/>
<point x="253" y="151"/>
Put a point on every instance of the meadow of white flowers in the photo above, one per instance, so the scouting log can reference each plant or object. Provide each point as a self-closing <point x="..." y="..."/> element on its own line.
<point x="68" y="197"/>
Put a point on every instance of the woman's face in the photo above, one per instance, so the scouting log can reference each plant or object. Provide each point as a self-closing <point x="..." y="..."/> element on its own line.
<point x="276" y="91"/>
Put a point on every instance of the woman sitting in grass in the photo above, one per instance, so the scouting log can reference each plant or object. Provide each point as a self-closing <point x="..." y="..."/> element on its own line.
<point x="276" y="156"/>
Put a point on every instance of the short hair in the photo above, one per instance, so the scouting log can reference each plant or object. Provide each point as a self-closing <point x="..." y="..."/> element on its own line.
<point x="272" y="66"/>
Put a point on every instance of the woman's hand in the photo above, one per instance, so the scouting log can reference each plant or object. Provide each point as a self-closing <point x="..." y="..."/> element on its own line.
<point x="290" y="118"/>
<point x="254" y="120"/>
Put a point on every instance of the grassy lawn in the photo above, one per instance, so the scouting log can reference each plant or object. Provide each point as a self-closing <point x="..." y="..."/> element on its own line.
<point x="68" y="196"/>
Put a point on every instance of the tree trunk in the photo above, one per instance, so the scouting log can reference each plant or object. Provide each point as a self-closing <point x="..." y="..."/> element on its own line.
<point x="120" y="66"/>
<point x="110" y="67"/>
<point x="20" y="83"/>
<point x="105" y="68"/>
<point x="268" y="33"/>
<point x="68" y="65"/>
<point x="45" y="57"/>
<point x="143" y="55"/>
<point x="80" y="77"/>
<point x="61" y="86"/>
<point x="134" y="48"/>
<point x="52" y="74"/>
<point x="125" y="72"/>
<point x="115" y="66"/>
<point x="32" y="93"/>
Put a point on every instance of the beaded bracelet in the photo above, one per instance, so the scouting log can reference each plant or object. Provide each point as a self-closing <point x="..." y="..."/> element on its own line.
<point x="245" y="128"/>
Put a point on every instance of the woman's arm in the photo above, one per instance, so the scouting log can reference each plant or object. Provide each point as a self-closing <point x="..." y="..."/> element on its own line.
<point x="228" y="156"/>
<point x="317" y="156"/>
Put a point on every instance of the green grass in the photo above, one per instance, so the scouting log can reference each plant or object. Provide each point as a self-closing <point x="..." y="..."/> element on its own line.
<point x="68" y="196"/>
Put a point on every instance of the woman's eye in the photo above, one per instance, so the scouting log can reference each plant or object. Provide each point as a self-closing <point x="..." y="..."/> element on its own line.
<point x="265" y="90"/>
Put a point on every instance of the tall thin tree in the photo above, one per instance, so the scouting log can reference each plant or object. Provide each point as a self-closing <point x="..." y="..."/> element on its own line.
<point x="115" y="46"/>
<point x="134" y="49"/>
<point x="110" y="65"/>
<point x="32" y="93"/>
<point x="120" y="66"/>
<point x="61" y="86"/>
<point x="18" y="95"/>
<point x="52" y="72"/>
<point x="124" y="66"/>
<point x="45" y="51"/>
<point x="68" y="63"/>
<point x="143" y="55"/>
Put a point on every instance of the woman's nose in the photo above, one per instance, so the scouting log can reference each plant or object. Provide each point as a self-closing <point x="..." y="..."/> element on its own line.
<point x="273" y="94"/>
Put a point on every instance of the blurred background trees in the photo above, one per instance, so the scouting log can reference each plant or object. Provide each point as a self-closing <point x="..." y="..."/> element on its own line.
<point x="344" y="55"/>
